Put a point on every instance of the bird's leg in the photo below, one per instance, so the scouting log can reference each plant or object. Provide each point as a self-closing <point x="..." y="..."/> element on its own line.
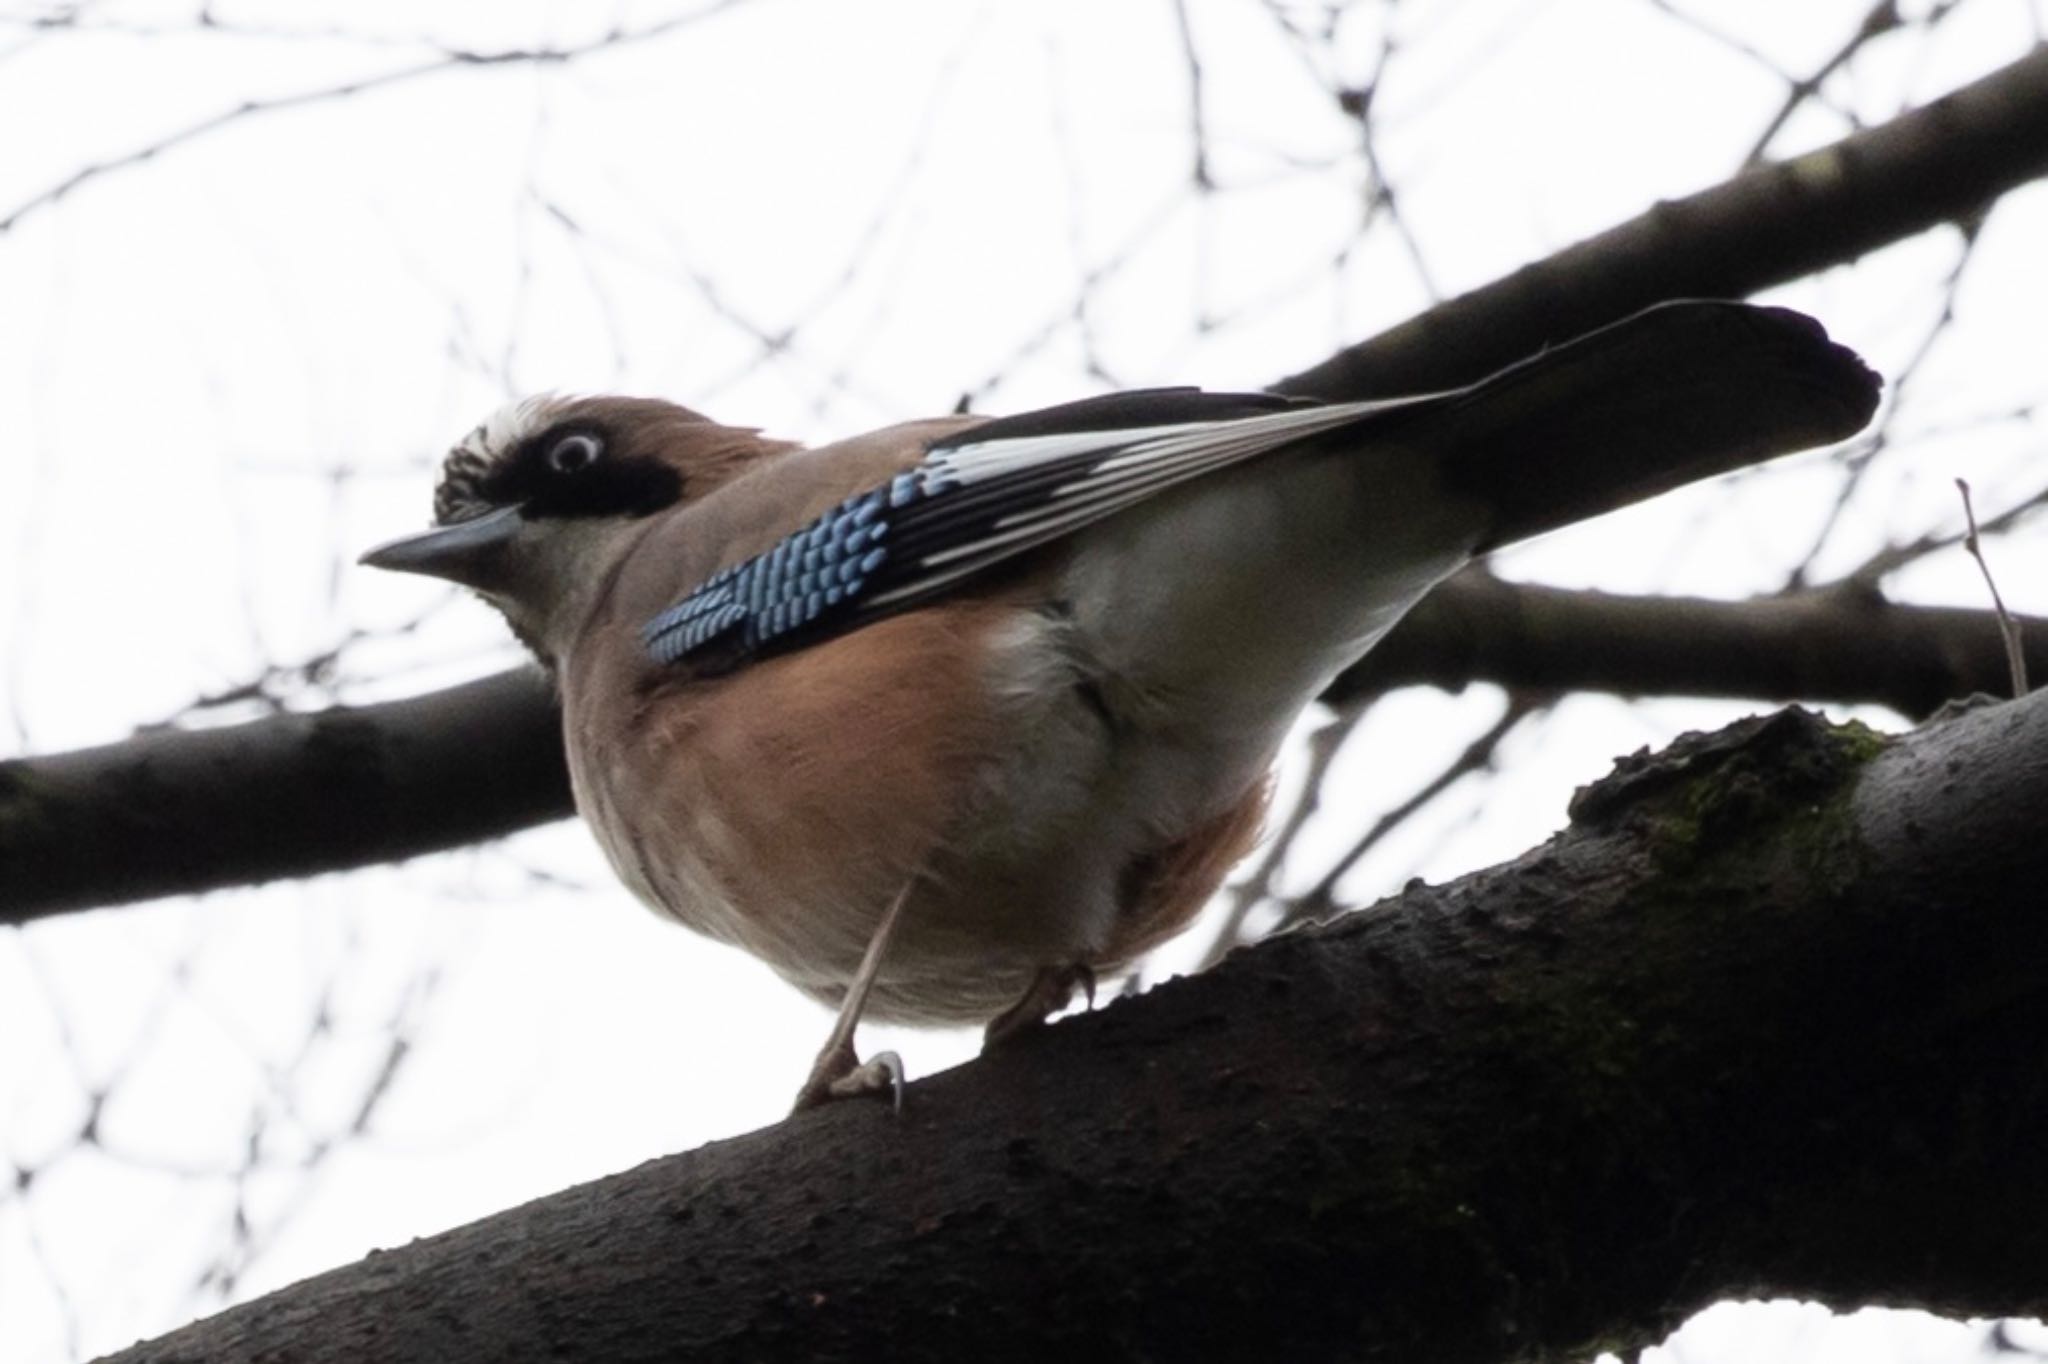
<point x="1051" y="990"/>
<point x="839" y="1072"/>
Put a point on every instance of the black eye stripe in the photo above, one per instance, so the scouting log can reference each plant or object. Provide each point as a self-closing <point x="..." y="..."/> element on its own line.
<point x="570" y="469"/>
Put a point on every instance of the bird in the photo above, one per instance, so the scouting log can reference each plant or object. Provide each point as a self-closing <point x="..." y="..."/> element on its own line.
<point x="948" y="720"/>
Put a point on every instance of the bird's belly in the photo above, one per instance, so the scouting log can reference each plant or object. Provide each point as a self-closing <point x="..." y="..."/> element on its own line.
<point x="1046" y="862"/>
<point x="1023" y="859"/>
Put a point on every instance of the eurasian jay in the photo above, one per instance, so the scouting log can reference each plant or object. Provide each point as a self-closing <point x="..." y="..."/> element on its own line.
<point x="946" y="720"/>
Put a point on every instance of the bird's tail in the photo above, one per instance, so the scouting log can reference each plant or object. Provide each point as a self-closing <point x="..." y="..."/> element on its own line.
<point x="1679" y="392"/>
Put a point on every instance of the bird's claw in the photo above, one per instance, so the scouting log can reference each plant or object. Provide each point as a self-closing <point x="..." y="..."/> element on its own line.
<point x="841" y="1074"/>
<point x="1051" y="990"/>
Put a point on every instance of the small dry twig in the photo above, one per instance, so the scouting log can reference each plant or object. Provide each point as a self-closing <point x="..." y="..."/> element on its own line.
<point x="2008" y="628"/>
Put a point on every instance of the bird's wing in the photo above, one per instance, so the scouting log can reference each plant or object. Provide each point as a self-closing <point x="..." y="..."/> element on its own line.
<point x="979" y="498"/>
<point x="1675" y="393"/>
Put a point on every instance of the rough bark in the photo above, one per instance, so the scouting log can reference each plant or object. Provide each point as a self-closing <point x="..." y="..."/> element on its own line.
<point x="169" y="814"/>
<point x="177" y="812"/>
<point x="1766" y="1019"/>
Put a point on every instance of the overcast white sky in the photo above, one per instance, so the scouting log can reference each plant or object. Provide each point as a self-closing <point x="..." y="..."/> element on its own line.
<point x="227" y="369"/>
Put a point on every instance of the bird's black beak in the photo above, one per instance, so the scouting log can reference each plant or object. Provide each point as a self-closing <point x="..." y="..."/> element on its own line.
<point x="467" y="552"/>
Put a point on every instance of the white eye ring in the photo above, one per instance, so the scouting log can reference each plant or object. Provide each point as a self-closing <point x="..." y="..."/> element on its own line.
<point x="573" y="451"/>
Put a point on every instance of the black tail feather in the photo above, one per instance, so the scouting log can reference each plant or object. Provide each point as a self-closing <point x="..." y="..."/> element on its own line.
<point x="1678" y="392"/>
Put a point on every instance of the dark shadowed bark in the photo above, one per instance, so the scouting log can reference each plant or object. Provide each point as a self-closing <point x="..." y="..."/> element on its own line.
<point x="1549" y="1108"/>
<point x="175" y="811"/>
<point x="1845" y="644"/>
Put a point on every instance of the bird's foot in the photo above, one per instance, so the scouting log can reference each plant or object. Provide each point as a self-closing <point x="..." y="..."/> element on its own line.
<point x="1051" y="990"/>
<point x="841" y="1074"/>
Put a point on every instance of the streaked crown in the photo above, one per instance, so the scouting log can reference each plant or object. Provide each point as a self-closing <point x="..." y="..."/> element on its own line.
<point x="555" y="456"/>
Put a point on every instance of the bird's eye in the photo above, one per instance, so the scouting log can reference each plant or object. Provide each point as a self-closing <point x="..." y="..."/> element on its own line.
<point x="574" y="450"/>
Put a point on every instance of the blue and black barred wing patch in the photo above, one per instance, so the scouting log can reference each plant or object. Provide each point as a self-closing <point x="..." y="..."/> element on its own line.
<point x="978" y="499"/>
<point x="811" y="576"/>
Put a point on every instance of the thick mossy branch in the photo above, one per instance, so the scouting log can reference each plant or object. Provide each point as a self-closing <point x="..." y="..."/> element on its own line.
<point x="1766" y="1019"/>
<point x="1709" y="804"/>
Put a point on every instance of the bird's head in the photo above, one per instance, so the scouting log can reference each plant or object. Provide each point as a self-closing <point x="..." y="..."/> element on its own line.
<point x="536" y="506"/>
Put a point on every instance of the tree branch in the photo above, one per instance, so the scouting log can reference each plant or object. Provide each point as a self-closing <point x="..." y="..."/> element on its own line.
<point x="1844" y="644"/>
<point x="444" y="61"/>
<point x="1944" y="162"/>
<point x="179" y="812"/>
<point x="1306" y="1143"/>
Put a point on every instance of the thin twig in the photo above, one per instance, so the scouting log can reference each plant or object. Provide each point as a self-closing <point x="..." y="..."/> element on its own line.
<point x="2008" y="628"/>
<point x="449" y="59"/>
<point x="1864" y="450"/>
<point x="1892" y="558"/>
<point x="1256" y="888"/>
<point x="1882" y="18"/>
<point x="1321" y="901"/>
<point x="1197" y="111"/>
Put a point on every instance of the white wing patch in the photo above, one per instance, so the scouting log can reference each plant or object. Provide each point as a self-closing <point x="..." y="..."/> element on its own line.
<point x="967" y="507"/>
<point x="1109" y="471"/>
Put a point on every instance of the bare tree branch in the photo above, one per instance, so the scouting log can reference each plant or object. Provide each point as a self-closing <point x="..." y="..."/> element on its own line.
<point x="1844" y="644"/>
<point x="176" y="812"/>
<point x="448" y="59"/>
<point x="1943" y="163"/>
<point x="1320" y="900"/>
